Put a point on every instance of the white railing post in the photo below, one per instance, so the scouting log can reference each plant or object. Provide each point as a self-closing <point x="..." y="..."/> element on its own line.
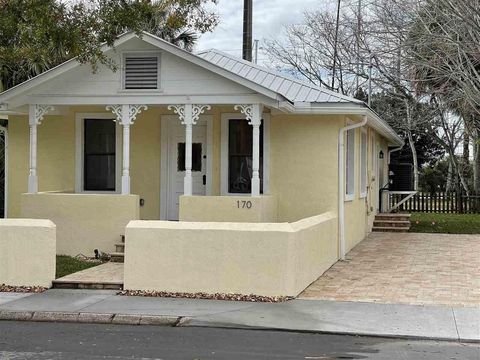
<point x="253" y="113"/>
<point x="35" y="116"/>
<point x="189" y="115"/>
<point x="126" y="115"/>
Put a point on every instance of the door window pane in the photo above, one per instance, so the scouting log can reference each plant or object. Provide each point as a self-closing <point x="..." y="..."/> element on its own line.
<point x="240" y="142"/>
<point x="99" y="154"/>
<point x="196" y="157"/>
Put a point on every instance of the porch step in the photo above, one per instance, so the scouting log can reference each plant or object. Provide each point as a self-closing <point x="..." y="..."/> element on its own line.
<point x="119" y="254"/>
<point x="117" y="257"/>
<point x="120" y="248"/>
<point x="391" y="223"/>
<point x="386" y="222"/>
<point x="390" y="229"/>
<point x="393" y="217"/>
<point x="77" y="284"/>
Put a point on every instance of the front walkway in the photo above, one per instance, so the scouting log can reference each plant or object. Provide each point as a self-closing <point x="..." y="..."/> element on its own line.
<point x="105" y="276"/>
<point x="406" y="268"/>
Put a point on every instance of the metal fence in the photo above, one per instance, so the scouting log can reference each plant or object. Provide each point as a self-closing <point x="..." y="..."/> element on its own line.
<point x="440" y="202"/>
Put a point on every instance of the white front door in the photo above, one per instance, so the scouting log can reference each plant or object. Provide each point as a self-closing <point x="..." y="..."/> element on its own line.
<point x="176" y="163"/>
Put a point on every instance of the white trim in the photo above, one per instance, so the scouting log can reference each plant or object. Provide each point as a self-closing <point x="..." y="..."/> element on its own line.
<point x="123" y="56"/>
<point x="341" y="184"/>
<point x="209" y="174"/>
<point x="350" y="196"/>
<point x="79" y="144"/>
<point x="165" y="120"/>
<point x="224" y="152"/>
<point x="5" y="196"/>
<point x="363" y="164"/>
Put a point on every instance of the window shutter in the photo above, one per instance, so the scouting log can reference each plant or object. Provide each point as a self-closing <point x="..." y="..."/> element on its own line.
<point x="141" y="72"/>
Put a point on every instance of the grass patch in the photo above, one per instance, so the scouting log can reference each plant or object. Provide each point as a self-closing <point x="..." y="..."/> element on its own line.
<point x="445" y="223"/>
<point x="68" y="265"/>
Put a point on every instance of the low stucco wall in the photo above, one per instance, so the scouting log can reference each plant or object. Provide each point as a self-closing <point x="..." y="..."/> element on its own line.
<point x="253" y="209"/>
<point x="84" y="221"/>
<point x="248" y="258"/>
<point x="27" y="252"/>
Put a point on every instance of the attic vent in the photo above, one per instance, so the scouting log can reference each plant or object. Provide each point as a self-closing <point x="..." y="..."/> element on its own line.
<point x="141" y="72"/>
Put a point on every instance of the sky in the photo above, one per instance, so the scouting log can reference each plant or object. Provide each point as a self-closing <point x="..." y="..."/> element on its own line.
<point x="268" y="18"/>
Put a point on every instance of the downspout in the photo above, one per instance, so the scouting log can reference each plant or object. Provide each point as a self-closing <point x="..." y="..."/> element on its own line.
<point x="341" y="183"/>
<point x="392" y="151"/>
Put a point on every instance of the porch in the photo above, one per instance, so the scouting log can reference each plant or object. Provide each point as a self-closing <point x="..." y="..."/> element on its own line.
<point x="186" y="162"/>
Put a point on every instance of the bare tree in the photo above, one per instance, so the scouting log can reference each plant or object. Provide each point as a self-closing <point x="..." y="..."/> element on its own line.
<point x="443" y="53"/>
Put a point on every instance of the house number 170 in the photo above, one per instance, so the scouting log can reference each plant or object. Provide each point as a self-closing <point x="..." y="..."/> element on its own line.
<point x="244" y="204"/>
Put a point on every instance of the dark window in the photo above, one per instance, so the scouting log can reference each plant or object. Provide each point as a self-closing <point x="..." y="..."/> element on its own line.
<point x="196" y="157"/>
<point x="240" y="142"/>
<point x="99" y="155"/>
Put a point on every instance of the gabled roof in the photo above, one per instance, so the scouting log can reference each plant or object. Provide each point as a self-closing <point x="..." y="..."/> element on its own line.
<point x="289" y="93"/>
<point x="293" y="90"/>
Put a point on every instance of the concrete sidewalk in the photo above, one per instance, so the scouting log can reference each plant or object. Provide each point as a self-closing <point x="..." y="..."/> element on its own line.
<point x="372" y="319"/>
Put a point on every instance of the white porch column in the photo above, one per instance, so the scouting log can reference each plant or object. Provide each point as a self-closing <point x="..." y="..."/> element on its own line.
<point x="189" y="115"/>
<point x="35" y="117"/>
<point x="253" y="113"/>
<point x="126" y="115"/>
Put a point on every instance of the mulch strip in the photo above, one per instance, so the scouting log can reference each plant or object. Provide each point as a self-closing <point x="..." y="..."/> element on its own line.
<point x="22" y="289"/>
<point x="200" y="295"/>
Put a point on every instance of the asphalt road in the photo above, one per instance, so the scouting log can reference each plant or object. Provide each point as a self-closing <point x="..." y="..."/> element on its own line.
<point x="24" y="340"/>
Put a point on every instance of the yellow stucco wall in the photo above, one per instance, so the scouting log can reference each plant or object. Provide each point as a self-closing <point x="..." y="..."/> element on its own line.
<point x="247" y="258"/>
<point x="303" y="164"/>
<point x="27" y="252"/>
<point x="229" y="208"/>
<point x="55" y="157"/>
<point x="84" y="221"/>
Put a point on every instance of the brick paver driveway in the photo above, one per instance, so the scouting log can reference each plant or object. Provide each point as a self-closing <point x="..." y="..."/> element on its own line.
<point x="406" y="268"/>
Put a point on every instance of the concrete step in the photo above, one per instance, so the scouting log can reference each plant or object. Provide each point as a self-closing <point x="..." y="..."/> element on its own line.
<point x="117" y="257"/>
<point x="391" y="223"/>
<point x="390" y="229"/>
<point x="393" y="217"/>
<point x="89" y="285"/>
<point x="120" y="248"/>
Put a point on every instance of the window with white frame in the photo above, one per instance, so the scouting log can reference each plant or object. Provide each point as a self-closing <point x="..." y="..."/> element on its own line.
<point x="350" y="166"/>
<point x="236" y="156"/>
<point x="240" y="140"/>
<point x="363" y="163"/>
<point x="99" y="157"/>
<point x="98" y="153"/>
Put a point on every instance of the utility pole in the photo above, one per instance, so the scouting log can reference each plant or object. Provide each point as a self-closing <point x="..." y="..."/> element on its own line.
<point x="255" y="58"/>
<point x="370" y="65"/>
<point x="247" y="30"/>
<point x="335" y="46"/>
<point x="359" y="28"/>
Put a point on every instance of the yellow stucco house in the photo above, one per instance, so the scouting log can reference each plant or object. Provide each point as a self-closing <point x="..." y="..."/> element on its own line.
<point x="205" y="138"/>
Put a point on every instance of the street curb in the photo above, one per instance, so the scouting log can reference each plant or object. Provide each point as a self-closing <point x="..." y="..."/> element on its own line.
<point x="180" y="321"/>
<point x="89" y="318"/>
<point x="186" y="322"/>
